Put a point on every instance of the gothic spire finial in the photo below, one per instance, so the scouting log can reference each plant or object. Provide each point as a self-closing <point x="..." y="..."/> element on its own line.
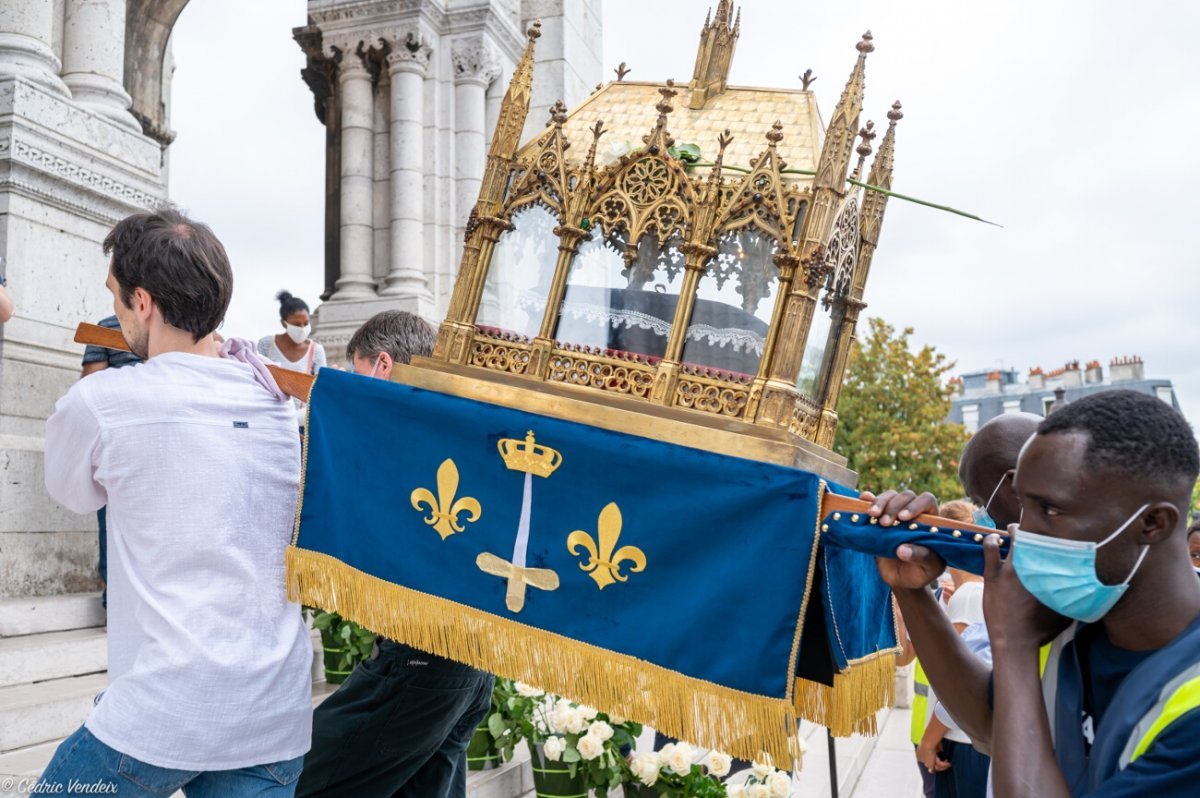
<point x="658" y="139"/>
<point x="558" y="114"/>
<point x="514" y="108"/>
<point x="622" y="71"/>
<point x="839" y="136"/>
<point x="867" y="135"/>
<point x="775" y="134"/>
<point x="874" y="202"/>
<point x="718" y="38"/>
<point x="590" y="161"/>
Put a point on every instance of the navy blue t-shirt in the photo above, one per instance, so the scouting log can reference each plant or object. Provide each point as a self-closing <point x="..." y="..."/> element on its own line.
<point x="1170" y="767"/>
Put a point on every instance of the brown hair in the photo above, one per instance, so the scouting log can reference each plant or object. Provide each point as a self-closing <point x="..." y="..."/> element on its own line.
<point x="179" y="262"/>
<point x="958" y="510"/>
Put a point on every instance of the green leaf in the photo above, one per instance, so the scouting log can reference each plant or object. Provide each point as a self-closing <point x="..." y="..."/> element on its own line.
<point x="496" y="727"/>
<point x="686" y="152"/>
<point x="571" y="755"/>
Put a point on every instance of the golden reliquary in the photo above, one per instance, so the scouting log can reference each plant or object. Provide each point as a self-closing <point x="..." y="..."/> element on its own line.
<point x="681" y="263"/>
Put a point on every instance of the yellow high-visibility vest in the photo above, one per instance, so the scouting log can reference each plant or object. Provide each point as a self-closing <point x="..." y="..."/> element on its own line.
<point x="920" y="703"/>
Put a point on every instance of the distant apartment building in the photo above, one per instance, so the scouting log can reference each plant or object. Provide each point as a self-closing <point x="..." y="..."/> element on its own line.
<point x="982" y="395"/>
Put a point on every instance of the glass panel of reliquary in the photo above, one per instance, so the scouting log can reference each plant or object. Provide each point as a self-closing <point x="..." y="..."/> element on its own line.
<point x="619" y="300"/>
<point x="734" y="301"/>
<point x="519" y="276"/>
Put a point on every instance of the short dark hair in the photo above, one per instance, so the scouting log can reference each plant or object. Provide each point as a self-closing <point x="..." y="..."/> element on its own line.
<point x="1132" y="433"/>
<point x="289" y="304"/>
<point x="179" y="262"/>
<point x="399" y="333"/>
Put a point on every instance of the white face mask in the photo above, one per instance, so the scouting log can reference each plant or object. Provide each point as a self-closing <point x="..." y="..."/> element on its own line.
<point x="296" y="333"/>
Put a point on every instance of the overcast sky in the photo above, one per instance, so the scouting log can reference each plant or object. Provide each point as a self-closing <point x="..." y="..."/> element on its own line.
<point x="1072" y="124"/>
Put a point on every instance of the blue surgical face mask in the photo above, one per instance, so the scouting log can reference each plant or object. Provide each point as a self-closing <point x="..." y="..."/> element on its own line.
<point x="1061" y="574"/>
<point x="981" y="517"/>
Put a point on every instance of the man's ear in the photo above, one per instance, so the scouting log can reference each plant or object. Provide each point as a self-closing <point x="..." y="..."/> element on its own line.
<point x="142" y="304"/>
<point x="385" y="365"/>
<point x="1160" y="519"/>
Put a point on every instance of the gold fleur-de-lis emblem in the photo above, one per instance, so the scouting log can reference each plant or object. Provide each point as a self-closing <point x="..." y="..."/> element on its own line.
<point x="444" y="509"/>
<point x="603" y="564"/>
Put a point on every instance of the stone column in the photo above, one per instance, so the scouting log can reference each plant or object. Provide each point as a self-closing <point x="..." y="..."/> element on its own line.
<point x="93" y="62"/>
<point x="382" y="201"/>
<point x="476" y="65"/>
<point x="358" y="118"/>
<point x="406" y="277"/>
<point x="26" y="34"/>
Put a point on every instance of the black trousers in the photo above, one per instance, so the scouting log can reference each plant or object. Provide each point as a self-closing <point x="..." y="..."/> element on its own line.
<point x="398" y="727"/>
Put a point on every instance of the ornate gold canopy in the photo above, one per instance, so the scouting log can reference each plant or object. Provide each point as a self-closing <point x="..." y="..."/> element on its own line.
<point x="698" y="283"/>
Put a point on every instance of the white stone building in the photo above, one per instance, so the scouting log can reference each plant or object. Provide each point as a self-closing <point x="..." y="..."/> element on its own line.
<point x="409" y="92"/>
<point x="412" y="89"/>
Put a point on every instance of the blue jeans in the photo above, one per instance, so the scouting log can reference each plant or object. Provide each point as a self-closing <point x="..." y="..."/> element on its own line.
<point x="82" y="761"/>
<point x="967" y="776"/>
<point x="398" y="727"/>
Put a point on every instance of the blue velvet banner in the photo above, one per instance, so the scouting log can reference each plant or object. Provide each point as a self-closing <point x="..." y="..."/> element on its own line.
<point x="694" y="563"/>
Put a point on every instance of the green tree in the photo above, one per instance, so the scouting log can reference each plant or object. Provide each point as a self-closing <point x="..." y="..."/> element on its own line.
<point x="892" y="416"/>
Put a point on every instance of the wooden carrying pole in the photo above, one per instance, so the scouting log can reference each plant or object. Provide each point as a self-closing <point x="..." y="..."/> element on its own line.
<point x="293" y="383"/>
<point x="298" y="384"/>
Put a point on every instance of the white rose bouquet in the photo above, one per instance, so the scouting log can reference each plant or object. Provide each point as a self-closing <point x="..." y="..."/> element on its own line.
<point x="764" y="782"/>
<point x="677" y="770"/>
<point x="590" y="743"/>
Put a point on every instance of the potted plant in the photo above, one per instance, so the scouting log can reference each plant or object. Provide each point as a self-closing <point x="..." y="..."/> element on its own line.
<point x="677" y="771"/>
<point x="589" y="745"/>
<point x="345" y="644"/>
<point x="574" y="749"/>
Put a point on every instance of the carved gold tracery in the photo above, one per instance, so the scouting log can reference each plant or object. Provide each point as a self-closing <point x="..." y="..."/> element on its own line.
<point x="666" y="227"/>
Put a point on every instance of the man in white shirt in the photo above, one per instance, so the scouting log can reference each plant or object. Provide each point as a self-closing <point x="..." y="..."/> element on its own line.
<point x="196" y="455"/>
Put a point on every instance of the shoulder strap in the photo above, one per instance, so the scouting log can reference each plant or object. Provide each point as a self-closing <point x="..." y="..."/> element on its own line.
<point x="1051" y="657"/>
<point x="308" y="361"/>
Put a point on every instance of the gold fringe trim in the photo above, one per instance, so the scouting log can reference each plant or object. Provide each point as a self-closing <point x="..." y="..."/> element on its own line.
<point x="706" y="714"/>
<point x="849" y="707"/>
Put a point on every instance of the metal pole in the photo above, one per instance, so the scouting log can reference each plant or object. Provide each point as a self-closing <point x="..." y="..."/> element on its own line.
<point x="833" y="779"/>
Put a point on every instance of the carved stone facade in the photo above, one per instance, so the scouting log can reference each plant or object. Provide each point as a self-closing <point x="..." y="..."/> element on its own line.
<point x="409" y="91"/>
<point x="74" y="159"/>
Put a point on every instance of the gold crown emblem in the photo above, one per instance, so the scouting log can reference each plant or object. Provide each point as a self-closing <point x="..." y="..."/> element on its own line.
<point x="530" y="457"/>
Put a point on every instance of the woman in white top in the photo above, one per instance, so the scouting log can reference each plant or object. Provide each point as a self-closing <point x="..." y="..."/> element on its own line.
<point x="292" y="348"/>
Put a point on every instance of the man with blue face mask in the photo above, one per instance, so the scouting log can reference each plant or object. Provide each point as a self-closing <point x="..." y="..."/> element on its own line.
<point x="1098" y="566"/>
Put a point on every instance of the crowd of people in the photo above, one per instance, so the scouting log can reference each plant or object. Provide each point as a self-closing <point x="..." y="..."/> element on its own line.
<point x="1070" y="667"/>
